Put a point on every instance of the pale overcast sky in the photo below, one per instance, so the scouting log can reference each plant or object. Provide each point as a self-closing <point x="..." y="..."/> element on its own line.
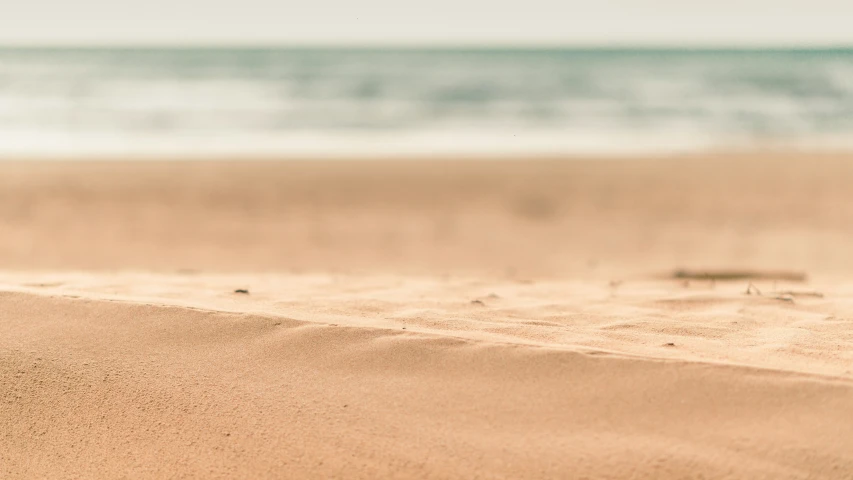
<point x="429" y="22"/>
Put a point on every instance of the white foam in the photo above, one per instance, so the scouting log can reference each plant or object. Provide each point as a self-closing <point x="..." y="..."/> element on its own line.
<point x="406" y="144"/>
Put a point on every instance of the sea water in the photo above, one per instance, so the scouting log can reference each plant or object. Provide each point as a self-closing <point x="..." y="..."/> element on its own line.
<point x="355" y="102"/>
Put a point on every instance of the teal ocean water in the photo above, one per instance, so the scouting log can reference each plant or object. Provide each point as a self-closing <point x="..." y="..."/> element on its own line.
<point x="352" y="102"/>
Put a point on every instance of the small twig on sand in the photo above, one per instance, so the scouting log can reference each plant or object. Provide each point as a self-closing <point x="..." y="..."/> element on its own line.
<point x="750" y="288"/>
<point x="614" y="286"/>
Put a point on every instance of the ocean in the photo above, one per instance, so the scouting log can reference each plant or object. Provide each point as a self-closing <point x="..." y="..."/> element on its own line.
<point x="306" y="102"/>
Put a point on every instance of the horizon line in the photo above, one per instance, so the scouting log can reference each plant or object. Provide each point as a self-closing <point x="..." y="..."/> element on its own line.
<point x="584" y="46"/>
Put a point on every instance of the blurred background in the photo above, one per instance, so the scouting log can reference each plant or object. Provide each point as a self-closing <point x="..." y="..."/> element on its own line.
<point x="724" y="125"/>
<point x="260" y="78"/>
<point x="350" y="102"/>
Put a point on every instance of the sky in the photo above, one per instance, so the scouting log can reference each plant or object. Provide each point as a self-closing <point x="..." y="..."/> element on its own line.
<point x="428" y="22"/>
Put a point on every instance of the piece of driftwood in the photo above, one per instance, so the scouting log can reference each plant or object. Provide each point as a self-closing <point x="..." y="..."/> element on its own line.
<point x="797" y="293"/>
<point x="730" y="275"/>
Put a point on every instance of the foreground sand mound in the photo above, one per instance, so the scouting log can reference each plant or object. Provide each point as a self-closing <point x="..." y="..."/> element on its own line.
<point x="105" y="389"/>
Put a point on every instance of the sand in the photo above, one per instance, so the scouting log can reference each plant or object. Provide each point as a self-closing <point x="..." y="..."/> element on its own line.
<point x="411" y="319"/>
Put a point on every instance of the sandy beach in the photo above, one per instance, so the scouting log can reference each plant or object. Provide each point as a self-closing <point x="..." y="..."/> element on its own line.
<point x="661" y="318"/>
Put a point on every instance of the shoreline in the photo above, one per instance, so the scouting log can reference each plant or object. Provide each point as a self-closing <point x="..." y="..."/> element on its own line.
<point x="418" y="154"/>
<point x="749" y="154"/>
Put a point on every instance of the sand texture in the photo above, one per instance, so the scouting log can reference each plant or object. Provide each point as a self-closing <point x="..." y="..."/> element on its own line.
<point x="618" y="319"/>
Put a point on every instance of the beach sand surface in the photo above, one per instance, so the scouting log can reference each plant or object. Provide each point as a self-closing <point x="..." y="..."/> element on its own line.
<point x="651" y="318"/>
